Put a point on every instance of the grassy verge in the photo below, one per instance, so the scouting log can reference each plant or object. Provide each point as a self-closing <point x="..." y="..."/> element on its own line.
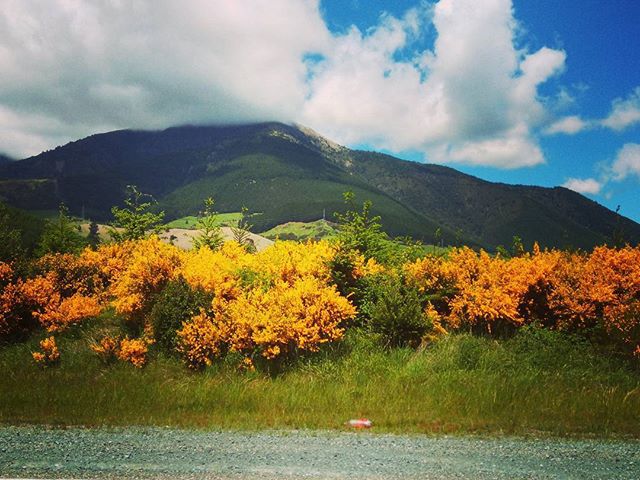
<point x="537" y="382"/>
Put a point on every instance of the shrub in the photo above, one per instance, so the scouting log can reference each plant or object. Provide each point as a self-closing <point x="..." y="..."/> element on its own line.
<point x="50" y="355"/>
<point x="275" y="323"/>
<point x="106" y="349"/>
<point x="177" y="303"/>
<point x="60" y="236"/>
<point x="133" y="351"/>
<point x="396" y="312"/>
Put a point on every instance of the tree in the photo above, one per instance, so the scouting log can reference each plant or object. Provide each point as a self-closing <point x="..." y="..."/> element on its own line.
<point x="10" y="238"/>
<point x="60" y="236"/>
<point x="517" y="247"/>
<point x="242" y="231"/>
<point x="360" y="231"/>
<point x="210" y="234"/>
<point x="135" y="221"/>
<point x="93" y="238"/>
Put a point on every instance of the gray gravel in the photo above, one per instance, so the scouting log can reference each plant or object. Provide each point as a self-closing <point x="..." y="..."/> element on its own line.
<point x="168" y="453"/>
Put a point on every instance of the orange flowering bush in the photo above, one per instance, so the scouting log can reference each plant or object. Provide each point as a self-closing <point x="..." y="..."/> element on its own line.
<point x="106" y="349"/>
<point x="133" y="351"/>
<point x="13" y="306"/>
<point x="49" y="354"/>
<point x="54" y="311"/>
<point x="567" y="291"/>
<point x="603" y="290"/>
<point x="21" y="302"/>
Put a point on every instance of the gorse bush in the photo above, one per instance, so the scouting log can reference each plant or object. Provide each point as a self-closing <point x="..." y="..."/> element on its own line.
<point x="293" y="298"/>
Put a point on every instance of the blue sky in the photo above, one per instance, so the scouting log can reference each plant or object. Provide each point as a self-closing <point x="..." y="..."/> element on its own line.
<point x="543" y="92"/>
<point x="602" y="44"/>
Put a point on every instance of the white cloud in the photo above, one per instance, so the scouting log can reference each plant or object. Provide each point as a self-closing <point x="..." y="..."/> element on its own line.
<point x="567" y="125"/>
<point x="624" y="112"/>
<point x="627" y="162"/>
<point x="86" y="65"/>
<point x="71" y="67"/>
<point x="473" y="99"/>
<point x="584" y="185"/>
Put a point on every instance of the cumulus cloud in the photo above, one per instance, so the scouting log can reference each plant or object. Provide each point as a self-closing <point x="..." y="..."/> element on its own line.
<point x="584" y="185"/>
<point x="567" y="125"/>
<point x="472" y="99"/>
<point x="624" y="112"/>
<point x="71" y="68"/>
<point x="627" y="162"/>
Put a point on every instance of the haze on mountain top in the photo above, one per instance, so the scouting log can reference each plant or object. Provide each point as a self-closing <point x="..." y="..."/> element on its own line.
<point x="472" y="96"/>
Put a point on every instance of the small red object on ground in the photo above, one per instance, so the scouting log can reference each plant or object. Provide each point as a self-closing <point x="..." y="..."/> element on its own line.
<point x="360" y="423"/>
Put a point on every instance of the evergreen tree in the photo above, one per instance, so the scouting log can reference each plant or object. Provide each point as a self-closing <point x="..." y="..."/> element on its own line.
<point x="135" y="221"/>
<point x="210" y="234"/>
<point x="10" y="238"/>
<point x="61" y="235"/>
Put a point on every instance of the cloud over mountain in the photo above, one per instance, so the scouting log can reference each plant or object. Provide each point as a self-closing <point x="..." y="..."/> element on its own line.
<point x="71" y="68"/>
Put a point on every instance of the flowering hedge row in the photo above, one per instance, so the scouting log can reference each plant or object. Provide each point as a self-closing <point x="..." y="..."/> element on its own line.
<point x="283" y="300"/>
<point x="599" y="291"/>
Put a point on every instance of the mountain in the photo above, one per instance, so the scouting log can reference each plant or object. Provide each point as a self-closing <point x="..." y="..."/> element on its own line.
<point x="5" y="159"/>
<point x="290" y="173"/>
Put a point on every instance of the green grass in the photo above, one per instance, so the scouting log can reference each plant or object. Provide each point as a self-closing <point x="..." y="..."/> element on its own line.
<point x="536" y="383"/>
<point x="190" y="221"/>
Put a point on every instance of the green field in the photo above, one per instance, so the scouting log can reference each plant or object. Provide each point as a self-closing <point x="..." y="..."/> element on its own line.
<point x="538" y="382"/>
<point x="190" y="222"/>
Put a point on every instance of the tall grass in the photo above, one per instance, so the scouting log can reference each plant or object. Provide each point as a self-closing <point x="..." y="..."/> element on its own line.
<point x="538" y="381"/>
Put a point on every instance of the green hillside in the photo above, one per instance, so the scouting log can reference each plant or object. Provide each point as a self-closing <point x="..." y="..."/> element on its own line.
<point x="288" y="173"/>
<point x="300" y="231"/>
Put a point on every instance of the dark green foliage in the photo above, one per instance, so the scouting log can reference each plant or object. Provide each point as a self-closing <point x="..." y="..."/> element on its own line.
<point x="92" y="238"/>
<point x="360" y="231"/>
<point x="135" y="221"/>
<point x="61" y="235"/>
<point x="395" y="312"/>
<point x="178" y="302"/>
<point x="241" y="231"/>
<point x="10" y="239"/>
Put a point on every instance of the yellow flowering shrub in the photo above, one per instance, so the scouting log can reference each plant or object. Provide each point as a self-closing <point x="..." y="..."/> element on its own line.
<point x="272" y="323"/>
<point x="106" y="349"/>
<point x="133" y="351"/>
<point x="217" y="271"/>
<point x="150" y="265"/>
<point x="49" y="354"/>
<point x="287" y="261"/>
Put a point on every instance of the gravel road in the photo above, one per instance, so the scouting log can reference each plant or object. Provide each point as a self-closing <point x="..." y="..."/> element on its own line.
<point x="167" y="453"/>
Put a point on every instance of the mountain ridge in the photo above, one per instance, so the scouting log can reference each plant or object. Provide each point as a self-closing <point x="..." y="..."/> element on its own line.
<point x="291" y="173"/>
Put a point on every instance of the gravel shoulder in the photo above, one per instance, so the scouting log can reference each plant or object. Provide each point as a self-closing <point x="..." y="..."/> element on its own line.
<point x="168" y="453"/>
